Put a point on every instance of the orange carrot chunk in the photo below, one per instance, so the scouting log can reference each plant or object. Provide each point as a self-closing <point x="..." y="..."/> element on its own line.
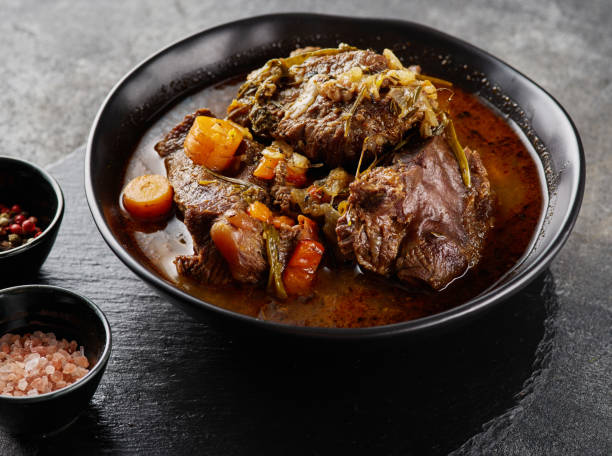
<point x="260" y="211"/>
<point x="300" y="273"/>
<point x="266" y="168"/>
<point x="148" y="196"/>
<point x="212" y="142"/>
<point x="281" y="220"/>
<point x="227" y="241"/>
<point x="297" y="167"/>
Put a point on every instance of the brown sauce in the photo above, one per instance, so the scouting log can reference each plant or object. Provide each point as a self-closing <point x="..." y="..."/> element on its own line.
<point x="345" y="297"/>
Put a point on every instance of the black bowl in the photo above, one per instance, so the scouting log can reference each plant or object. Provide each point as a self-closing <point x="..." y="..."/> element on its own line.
<point x="52" y="309"/>
<point x="238" y="47"/>
<point x="37" y="192"/>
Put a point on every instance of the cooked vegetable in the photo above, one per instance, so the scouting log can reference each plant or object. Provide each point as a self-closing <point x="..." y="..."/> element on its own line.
<point x="459" y="153"/>
<point x="275" y="278"/>
<point x="297" y="166"/>
<point x="351" y="113"/>
<point x="277" y="152"/>
<point x="282" y="220"/>
<point x="245" y="131"/>
<point x="231" y="180"/>
<point x="395" y="64"/>
<point x="224" y="237"/>
<point x="260" y="211"/>
<point x="267" y="164"/>
<point x="436" y="81"/>
<point x="300" y="272"/>
<point x="392" y="60"/>
<point x="371" y="143"/>
<point x="363" y="149"/>
<point x="261" y="83"/>
<point x="318" y="200"/>
<point x="148" y="196"/>
<point x="212" y="142"/>
<point x="404" y="100"/>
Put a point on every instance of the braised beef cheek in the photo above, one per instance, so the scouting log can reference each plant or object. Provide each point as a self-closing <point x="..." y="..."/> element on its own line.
<point x="317" y="127"/>
<point x="416" y="218"/>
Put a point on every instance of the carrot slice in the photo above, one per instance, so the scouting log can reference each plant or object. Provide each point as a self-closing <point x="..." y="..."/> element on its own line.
<point x="301" y="270"/>
<point x="148" y="196"/>
<point x="212" y="142"/>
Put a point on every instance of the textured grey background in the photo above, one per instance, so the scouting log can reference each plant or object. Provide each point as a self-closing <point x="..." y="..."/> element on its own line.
<point x="59" y="59"/>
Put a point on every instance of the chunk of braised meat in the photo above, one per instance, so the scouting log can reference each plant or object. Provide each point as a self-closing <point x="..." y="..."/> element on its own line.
<point x="239" y="239"/>
<point x="206" y="265"/>
<point x="416" y="218"/>
<point x="194" y="186"/>
<point x="326" y="107"/>
<point x="288" y="236"/>
<point x="201" y="197"/>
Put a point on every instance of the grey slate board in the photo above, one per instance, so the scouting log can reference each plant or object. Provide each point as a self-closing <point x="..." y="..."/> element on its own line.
<point x="531" y="377"/>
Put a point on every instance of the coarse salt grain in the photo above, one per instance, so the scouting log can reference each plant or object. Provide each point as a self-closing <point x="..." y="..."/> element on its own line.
<point x="38" y="363"/>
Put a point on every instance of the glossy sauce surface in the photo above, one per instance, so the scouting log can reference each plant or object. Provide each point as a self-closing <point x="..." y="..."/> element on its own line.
<point x="345" y="297"/>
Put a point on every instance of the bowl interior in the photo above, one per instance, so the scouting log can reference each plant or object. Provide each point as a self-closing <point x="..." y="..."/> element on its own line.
<point x="22" y="183"/>
<point x="49" y="309"/>
<point x="234" y="49"/>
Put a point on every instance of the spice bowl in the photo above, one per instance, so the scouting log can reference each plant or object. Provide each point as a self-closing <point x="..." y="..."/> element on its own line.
<point x="33" y="190"/>
<point x="30" y="308"/>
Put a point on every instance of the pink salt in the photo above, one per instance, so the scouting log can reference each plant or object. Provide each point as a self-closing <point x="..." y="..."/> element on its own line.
<point x="38" y="363"/>
<point x="81" y="361"/>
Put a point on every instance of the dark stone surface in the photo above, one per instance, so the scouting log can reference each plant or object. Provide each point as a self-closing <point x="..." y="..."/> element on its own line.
<point x="533" y="378"/>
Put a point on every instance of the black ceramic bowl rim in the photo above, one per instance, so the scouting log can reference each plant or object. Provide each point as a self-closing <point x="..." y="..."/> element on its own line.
<point x="59" y="196"/>
<point x="471" y="308"/>
<point x="92" y="372"/>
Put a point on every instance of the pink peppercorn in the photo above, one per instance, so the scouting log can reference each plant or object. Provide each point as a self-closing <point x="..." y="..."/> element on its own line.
<point x="28" y="226"/>
<point x="15" y="228"/>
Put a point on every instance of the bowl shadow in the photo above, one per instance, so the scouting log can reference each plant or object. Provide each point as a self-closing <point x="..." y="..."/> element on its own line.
<point x="92" y="429"/>
<point x="271" y="394"/>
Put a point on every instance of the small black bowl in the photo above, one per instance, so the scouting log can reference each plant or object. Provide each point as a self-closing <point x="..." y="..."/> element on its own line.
<point x="46" y="308"/>
<point x="37" y="192"/>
